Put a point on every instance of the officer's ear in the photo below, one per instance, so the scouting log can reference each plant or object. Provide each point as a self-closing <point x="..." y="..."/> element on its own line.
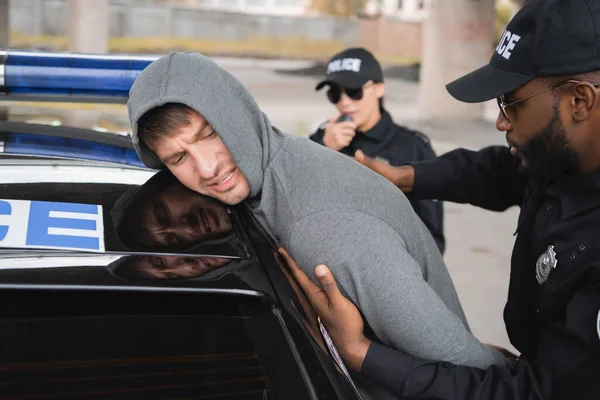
<point x="584" y="101"/>
<point x="379" y="90"/>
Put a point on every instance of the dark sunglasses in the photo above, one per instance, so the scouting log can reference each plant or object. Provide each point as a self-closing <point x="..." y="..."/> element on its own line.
<point x="334" y="94"/>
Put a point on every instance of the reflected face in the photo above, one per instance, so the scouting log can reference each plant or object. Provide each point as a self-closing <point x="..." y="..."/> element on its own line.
<point x="178" y="216"/>
<point x="174" y="267"/>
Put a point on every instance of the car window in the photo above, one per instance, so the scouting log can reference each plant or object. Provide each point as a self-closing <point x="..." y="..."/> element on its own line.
<point x="159" y="216"/>
<point x="120" y="345"/>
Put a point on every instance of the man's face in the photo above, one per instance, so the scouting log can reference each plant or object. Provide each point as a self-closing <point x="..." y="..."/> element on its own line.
<point x="362" y="110"/>
<point x="178" y="216"/>
<point x="197" y="156"/>
<point x="173" y="267"/>
<point x="536" y="133"/>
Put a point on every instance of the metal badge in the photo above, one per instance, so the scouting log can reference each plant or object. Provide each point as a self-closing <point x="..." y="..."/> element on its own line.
<point x="545" y="264"/>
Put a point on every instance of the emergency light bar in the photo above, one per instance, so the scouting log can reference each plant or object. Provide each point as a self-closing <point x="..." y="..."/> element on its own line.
<point x="61" y="76"/>
<point x="29" y="144"/>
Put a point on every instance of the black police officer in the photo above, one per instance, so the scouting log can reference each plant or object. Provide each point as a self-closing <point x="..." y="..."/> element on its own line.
<point x="545" y="73"/>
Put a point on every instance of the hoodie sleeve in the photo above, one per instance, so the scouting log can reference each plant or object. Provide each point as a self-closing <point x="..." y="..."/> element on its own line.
<point x="374" y="269"/>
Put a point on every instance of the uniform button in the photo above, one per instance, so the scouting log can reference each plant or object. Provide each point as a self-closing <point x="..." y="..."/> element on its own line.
<point x="549" y="207"/>
<point x="572" y="257"/>
<point x="582" y="247"/>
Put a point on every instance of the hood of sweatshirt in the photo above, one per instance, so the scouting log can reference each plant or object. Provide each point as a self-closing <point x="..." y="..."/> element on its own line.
<point x="198" y="82"/>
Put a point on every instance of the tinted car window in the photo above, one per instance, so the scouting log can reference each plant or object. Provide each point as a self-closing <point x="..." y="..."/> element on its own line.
<point x="160" y="216"/>
<point x="85" y="344"/>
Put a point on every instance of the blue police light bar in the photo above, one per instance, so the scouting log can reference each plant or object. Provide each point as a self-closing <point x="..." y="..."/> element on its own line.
<point x="61" y="76"/>
<point x="29" y="144"/>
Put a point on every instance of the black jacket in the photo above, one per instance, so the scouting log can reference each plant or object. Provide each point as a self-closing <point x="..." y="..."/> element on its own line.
<point x="554" y="324"/>
<point x="398" y="145"/>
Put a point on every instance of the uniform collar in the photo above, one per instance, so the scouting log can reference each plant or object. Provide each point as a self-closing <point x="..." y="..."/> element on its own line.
<point x="381" y="128"/>
<point x="579" y="193"/>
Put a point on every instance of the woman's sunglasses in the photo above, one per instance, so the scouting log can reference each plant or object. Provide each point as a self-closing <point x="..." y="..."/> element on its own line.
<point x="334" y="94"/>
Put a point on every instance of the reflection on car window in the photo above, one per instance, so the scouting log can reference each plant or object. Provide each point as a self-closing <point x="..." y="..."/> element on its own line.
<point x="160" y="216"/>
<point x="164" y="214"/>
<point x="155" y="267"/>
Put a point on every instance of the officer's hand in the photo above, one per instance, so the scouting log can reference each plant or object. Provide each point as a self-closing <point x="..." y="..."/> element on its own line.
<point x="341" y="318"/>
<point x="403" y="177"/>
<point x="339" y="134"/>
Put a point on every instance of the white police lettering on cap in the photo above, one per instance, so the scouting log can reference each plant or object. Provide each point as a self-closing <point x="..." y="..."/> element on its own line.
<point x="51" y="225"/>
<point x="507" y="44"/>
<point x="344" y="64"/>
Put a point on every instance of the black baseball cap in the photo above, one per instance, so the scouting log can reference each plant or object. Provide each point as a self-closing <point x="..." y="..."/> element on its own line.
<point x="352" y="68"/>
<point x="546" y="38"/>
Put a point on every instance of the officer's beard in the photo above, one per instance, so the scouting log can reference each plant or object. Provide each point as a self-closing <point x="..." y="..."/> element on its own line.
<point x="549" y="154"/>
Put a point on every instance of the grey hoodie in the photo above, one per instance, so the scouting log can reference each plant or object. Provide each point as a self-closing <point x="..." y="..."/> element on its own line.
<point x="347" y="217"/>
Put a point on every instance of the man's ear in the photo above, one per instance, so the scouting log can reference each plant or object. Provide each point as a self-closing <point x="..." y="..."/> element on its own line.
<point x="379" y="90"/>
<point x="584" y="101"/>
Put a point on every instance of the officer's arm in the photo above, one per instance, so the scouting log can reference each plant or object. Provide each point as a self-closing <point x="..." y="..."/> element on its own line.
<point x="318" y="135"/>
<point x="565" y="366"/>
<point x="488" y="178"/>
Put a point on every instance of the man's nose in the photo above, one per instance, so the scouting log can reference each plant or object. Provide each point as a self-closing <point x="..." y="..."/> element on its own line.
<point x="184" y="230"/>
<point x="205" y="163"/>
<point x="502" y="124"/>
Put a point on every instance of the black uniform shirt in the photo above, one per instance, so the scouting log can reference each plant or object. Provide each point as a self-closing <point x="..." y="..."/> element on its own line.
<point x="398" y="145"/>
<point x="555" y="324"/>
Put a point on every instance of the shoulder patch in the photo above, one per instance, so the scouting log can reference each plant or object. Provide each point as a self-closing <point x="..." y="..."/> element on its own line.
<point x="323" y="125"/>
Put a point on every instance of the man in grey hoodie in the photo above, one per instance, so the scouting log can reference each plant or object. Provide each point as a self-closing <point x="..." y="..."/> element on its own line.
<point x="194" y="118"/>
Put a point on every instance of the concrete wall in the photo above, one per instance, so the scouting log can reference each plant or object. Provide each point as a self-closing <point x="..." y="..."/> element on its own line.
<point x="145" y="28"/>
<point x="50" y="17"/>
<point x="391" y="39"/>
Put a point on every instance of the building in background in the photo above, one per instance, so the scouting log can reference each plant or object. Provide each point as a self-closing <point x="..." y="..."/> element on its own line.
<point x="414" y="10"/>
<point x="267" y="7"/>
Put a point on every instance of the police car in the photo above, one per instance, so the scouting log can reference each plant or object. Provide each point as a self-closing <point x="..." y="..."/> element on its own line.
<point x="118" y="282"/>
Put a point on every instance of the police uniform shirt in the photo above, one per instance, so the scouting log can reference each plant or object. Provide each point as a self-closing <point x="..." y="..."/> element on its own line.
<point x="552" y="314"/>
<point x="398" y="145"/>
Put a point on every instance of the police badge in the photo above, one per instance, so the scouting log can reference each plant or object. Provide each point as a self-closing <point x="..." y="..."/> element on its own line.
<point x="545" y="264"/>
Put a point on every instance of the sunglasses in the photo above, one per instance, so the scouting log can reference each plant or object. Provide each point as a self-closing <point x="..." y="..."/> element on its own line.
<point x="334" y="94"/>
<point x="503" y="105"/>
